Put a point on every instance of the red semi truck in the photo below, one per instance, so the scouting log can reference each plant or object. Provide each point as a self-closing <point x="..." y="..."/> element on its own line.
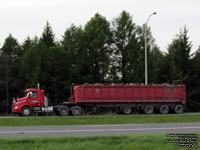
<point x="121" y="98"/>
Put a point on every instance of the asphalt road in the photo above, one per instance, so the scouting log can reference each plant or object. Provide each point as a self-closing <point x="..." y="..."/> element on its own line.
<point x="93" y="130"/>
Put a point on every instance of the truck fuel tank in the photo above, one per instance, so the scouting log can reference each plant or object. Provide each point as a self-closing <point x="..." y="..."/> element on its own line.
<point x="47" y="109"/>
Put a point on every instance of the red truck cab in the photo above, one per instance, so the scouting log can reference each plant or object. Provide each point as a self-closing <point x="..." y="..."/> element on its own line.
<point x="34" y="100"/>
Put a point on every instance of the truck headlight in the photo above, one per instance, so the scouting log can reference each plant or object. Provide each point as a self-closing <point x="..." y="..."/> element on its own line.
<point x="16" y="107"/>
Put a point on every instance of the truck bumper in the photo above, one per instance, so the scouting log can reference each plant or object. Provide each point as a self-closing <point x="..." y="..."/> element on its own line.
<point x="16" y="109"/>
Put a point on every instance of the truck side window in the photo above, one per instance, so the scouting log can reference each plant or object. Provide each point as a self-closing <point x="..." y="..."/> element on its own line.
<point x="34" y="95"/>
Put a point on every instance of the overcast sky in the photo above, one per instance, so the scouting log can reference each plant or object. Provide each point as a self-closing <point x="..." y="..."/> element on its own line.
<point x="24" y="18"/>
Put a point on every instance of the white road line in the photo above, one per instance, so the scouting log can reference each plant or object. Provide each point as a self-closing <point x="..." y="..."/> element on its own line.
<point x="98" y="130"/>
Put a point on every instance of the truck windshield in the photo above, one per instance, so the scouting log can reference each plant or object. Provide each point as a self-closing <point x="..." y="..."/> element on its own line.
<point x="32" y="94"/>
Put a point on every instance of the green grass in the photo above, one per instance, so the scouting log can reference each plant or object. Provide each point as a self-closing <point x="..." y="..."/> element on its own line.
<point x="98" y="120"/>
<point x="132" y="142"/>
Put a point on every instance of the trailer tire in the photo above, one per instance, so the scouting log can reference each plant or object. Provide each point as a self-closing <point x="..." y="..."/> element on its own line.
<point x="179" y="109"/>
<point x="26" y="111"/>
<point x="127" y="110"/>
<point x="76" y="110"/>
<point x="64" y="111"/>
<point x="164" y="109"/>
<point x="148" y="109"/>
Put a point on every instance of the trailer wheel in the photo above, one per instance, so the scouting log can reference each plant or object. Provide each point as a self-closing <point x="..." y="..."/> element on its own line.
<point x="127" y="110"/>
<point x="164" y="109"/>
<point x="148" y="109"/>
<point x="76" y="111"/>
<point x="26" y="111"/>
<point x="179" y="109"/>
<point x="64" y="111"/>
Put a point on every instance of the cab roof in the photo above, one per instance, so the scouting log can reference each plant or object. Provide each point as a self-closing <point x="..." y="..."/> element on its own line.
<point x="32" y="90"/>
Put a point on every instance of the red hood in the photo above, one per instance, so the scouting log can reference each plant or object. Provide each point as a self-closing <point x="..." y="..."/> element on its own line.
<point x="21" y="99"/>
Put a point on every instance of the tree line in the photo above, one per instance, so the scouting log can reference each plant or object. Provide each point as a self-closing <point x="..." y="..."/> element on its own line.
<point x="101" y="51"/>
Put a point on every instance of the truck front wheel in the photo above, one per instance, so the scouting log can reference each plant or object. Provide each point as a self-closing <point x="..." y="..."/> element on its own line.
<point x="26" y="111"/>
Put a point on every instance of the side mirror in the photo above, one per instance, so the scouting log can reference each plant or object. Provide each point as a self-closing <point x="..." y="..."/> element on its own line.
<point x="29" y="95"/>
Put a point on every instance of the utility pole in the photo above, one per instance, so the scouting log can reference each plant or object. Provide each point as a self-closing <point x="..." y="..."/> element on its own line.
<point x="145" y="37"/>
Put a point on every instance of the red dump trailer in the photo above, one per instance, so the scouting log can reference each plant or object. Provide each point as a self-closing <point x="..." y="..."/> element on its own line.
<point x="126" y="98"/>
<point x="120" y="98"/>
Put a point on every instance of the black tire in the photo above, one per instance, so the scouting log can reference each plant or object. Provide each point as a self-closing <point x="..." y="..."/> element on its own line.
<point x="148" y="109"/>
<point x="127" y="110"/>
<point x="76" y="111"/>
<point x="179" y="109"/>
<point x="164" y="109"/>
<point x="26" y="111"/>
<point x="63" y="111"/>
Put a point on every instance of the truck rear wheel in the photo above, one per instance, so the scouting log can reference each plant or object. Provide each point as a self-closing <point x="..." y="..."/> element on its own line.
<point x="127" y="110"/>
<point x="164" y="109"/>
<point x="26" y="111"/>
<point x="63" y="111"/>
<point x="76" y="111"/>
<point x="179" y="109"/>
<point x="148" y="109"/>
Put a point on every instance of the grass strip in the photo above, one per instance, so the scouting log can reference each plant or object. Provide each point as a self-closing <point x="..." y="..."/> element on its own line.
<point x="98" y="120"/>
<point x="130" y="142"/>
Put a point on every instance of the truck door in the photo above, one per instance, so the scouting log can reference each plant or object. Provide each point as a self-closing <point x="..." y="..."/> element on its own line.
<point x="34" y="99"/>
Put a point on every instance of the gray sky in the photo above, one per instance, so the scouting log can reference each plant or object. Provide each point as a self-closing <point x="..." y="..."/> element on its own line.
<point x="24" y="18"/>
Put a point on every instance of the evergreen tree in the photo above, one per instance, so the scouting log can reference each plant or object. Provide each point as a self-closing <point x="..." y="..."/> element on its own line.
<point x="31" y="63"/>
<point x="193" y="83"/>
<point x="58" y="74"/>
<point x="9" y="66"/>
<point x="155" y="61"/>
<point x="26" y="44"/>
<point x="47" y="66"/>
<point x="163" y="69"/>
<point x="179" y="57"/>
<point x="98" y="40"/>
<point x="12" y="48"/>
<point x="48" y="37"/>
<point x="6" y="80"/>
<point x="126" y="48"/>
